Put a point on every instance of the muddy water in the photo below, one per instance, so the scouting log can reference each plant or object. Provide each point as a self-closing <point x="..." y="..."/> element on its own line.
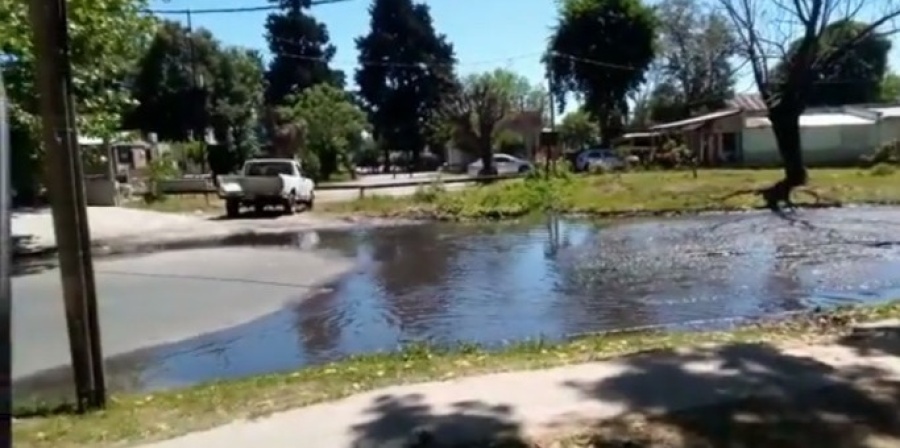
<point x="493" y="283"/>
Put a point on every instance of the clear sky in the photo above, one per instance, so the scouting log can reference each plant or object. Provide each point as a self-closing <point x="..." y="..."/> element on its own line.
<point x="498" y="33"/>
<point x="510" y="34"/>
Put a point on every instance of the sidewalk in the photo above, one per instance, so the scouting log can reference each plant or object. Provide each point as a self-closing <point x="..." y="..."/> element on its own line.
<point x="537" y="402"/>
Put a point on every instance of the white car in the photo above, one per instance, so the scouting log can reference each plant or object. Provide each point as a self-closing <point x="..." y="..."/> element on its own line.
<point x="264" y="182"/>
<point x="605" y="159"/>
<point x="504" y="164"/>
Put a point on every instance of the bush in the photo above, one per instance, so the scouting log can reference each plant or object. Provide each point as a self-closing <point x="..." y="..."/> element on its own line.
<point x="883" y="169"/>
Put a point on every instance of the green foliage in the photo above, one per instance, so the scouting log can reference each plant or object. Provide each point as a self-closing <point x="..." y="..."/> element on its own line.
<point x="883" y="169"/>
<point x="106" y="36"/>
<point x="161" y="168"/>
<point x="404" y="100"/>
<point x="853" y="78"/>
<point x="578" y="130"/>
<point x="301" y="51"/>
<point x="598" y="30"/>
<point x="890" y="88"/>
<point x="334" y="126"/>
<point x="181" y="91"/>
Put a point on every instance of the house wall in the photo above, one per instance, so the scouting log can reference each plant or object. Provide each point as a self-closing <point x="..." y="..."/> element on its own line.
<point x="822" y="145"/>
<point x="889" y="129"/>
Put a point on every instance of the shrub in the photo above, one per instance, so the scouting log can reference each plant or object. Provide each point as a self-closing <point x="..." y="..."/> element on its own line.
<point x="883" y="169"/>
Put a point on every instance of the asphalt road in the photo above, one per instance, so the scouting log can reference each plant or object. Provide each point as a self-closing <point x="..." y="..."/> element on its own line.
<point x="165" y="297"/>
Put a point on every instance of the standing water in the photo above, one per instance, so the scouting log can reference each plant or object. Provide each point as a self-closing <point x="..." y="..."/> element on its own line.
<point x="444" y="283"/>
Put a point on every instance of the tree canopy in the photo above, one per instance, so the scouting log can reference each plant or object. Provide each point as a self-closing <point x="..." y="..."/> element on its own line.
<point x="334" y="128"/>
<point x="577" y="130"/>
<point x="301" y="51"/>
<point x="695" y="51"/>
<point x="481" y="103"/>
<point x="106" y="37"/>
<point x="600" y="50"/>
<point x="406" y="71"/>
<point x="853" y="78"/>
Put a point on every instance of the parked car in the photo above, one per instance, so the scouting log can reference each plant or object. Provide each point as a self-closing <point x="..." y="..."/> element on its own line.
<point x="598" y="158"/>
<point x="265" y="182"/>
<point x="503" y="164"/>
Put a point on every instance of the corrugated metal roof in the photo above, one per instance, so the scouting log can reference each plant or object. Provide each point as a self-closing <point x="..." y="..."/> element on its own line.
<point x="814" y="120"/>
<point x="751" y="102"/>
<point x="695" y="120"/>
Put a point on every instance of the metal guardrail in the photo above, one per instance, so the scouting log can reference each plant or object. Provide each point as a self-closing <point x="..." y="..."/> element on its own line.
<point x="205" y="186"/>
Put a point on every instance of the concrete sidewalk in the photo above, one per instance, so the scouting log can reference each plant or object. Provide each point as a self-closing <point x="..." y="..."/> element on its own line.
<point x="533" y="403"/>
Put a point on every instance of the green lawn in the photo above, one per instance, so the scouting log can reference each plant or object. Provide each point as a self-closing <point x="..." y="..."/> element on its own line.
<point x="628" y="193"/>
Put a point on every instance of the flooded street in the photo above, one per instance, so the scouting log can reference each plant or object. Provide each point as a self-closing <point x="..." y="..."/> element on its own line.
<point x="491" y="283"/>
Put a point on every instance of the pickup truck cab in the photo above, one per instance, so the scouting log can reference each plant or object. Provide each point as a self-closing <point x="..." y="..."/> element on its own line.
<point x="267" y="182"/>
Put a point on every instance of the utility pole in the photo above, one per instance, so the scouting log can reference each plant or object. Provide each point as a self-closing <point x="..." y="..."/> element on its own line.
<point x="65" y="183"/>
<point x="549" y="139"/>
<point x="198" y="98"/>
<point x="5" y="261"/>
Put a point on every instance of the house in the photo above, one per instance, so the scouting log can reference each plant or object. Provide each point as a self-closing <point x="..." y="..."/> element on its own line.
<point x="742" y="134"/>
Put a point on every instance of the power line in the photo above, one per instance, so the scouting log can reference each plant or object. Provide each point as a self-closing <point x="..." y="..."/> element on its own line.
<point x="234" y="10"/>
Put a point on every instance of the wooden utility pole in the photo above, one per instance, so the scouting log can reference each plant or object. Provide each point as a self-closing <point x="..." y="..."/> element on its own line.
<point x="5" y="263"/>
<point x="65" y="184"/>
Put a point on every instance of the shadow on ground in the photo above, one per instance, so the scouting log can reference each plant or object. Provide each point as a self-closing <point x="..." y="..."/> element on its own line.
<point x="772" y="399"/>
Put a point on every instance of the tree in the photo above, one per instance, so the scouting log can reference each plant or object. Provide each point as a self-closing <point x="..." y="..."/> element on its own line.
<point x="301" y="52"/>
<point x="480" y="104"/>
<point x="406" y="72"/>
<point x="177" y="66"/>
<point x="578" y="130"/>
<point x="764" y="45"/>
<point x="890" y="88"/>
<point x="106" y="37"/>
<point x="334" y="128"/>
<point x="854" y="78"/>
<point x="600" y="50"/>
<point x="223" y="86"/>
<point x="696" y="47"/>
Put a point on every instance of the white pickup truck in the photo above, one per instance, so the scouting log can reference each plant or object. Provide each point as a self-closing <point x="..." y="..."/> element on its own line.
<point x="266" y="182"/>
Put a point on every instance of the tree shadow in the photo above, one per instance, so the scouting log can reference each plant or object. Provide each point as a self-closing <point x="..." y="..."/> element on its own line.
<point x="407" y="421"/>
<point x="751" y="395"/>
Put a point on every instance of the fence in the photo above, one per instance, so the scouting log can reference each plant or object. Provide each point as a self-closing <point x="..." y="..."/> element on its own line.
<point x="204" y="185"/>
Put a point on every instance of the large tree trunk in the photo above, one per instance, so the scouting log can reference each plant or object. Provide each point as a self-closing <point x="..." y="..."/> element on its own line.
<point x="786" y="127"/>
<point x="487" y="156"/>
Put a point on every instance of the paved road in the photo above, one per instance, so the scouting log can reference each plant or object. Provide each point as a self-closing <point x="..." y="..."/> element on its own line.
<point x="165" y="297"/>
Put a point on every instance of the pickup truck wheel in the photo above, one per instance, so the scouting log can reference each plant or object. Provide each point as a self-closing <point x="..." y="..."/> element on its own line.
<point x="311" y="201"/>
<point x="289" y="204"/>
<point x="232" y="208"/>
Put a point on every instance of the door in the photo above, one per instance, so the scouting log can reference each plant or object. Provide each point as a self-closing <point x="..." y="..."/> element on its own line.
<point x="504" y="164"/>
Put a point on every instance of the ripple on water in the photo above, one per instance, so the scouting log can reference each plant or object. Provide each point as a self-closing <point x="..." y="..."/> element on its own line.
<point x="493" y="283"/>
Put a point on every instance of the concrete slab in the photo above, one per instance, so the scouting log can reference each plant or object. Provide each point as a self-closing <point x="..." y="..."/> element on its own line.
<point x="534" y="402"/>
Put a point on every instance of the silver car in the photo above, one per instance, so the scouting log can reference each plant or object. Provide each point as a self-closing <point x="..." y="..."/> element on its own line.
<point x="598" y="158"/>
<point x="504" y="164"/>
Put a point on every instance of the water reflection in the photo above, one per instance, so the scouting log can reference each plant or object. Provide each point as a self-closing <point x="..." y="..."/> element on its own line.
<point x="499" y="282"/>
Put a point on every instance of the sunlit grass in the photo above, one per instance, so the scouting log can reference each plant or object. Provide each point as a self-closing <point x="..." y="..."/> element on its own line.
<point x="628" y="193"/>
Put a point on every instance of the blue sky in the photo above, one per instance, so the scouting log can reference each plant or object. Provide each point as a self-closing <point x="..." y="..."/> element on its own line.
<point x="497" y="33"/>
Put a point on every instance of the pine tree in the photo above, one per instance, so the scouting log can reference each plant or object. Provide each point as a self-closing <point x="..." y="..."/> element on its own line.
<point x="301" y="52"/>
<point x="412" y="74"/>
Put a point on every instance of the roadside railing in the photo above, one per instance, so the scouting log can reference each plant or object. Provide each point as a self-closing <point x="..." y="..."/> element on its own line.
<point x="189" y="186"/>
